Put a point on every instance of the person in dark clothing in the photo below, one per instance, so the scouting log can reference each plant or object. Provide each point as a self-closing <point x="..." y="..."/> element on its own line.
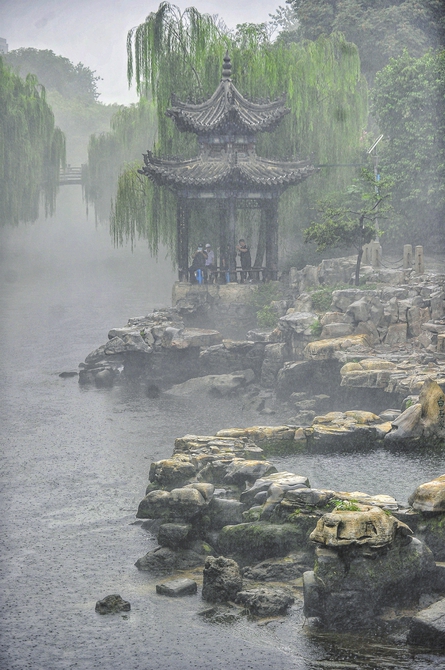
<point x="198" y="263"/>
<point x="246" y="261"/>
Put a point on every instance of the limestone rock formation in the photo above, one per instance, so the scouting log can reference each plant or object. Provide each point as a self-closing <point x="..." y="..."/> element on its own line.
<point x="222" y="579"/>
<point x="429" y="497"/>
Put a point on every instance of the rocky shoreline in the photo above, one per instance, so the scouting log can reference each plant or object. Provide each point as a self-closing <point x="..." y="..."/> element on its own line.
<point x="262" y="537"/>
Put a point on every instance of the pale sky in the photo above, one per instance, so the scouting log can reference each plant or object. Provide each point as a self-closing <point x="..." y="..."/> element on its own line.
<point x="94" y="31"/>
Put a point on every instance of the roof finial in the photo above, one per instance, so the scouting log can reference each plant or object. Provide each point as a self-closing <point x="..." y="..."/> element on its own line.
<point x="227" y="67"/>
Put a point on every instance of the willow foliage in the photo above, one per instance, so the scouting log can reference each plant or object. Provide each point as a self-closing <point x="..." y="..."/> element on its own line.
<point x="32" y="149"/>
<point x="182" y="53"/>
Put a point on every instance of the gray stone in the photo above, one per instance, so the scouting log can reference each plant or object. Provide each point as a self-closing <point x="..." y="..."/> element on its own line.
<point x="173" y="534"/>
<point x="241" y="471"/>
<point x="274" y="357"/>
<point x="164" y="560"/>
<point x="331" y="330"/>
<point x="177" y="588"/>
<point x="225" y="512"/>
<point x="265" y="601"/>
<point x="219" y="385"/>
<point x="222" y="579"/>
<point x="283" y="478"/>
<point x="313" y="603"/>
<point x="277" y="569"/>
<point x="112" y="604"/>
<point x="104" y="378"/>
<point x="428" y="627"/>
<point x="172" y="471"/>
<point x="299" y="322"/>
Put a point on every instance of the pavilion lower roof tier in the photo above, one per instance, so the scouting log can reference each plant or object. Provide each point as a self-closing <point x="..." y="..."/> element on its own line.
<point x="227" y="107"/>
<point x="247" y="171"/>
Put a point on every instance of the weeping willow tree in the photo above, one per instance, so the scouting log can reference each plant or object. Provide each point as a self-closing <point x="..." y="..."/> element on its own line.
<point x="132" y="131"/>
<point x="32" y="149"/>
<point x="182" y="53"/>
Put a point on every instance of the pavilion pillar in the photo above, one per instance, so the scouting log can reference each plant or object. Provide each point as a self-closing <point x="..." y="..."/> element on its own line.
<point x="271" y="214"/>
<point x="182" y="242"/>
<point x="231" y="243"/>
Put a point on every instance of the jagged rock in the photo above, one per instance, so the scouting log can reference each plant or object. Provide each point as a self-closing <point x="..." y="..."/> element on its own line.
<point x="224" y="512"/>
<point x="164" y="560"/>
<point x="179" y="504"/>
<point x="427" y="628"/>
<point x="265" y="601"/>
<point x="191" y="337"/>
<point x="322" y="350"/>
<point x="274" y="357"/>
<point x="260" y="540"/>
<point x="284" y="479"/>
<point x="369" y="525"/>
<point x="283" y="569"/>
<point x="241" y="471"/>
<point x="222" y="579"/>
<point x="172" y="472"/>
<point x="129" y="342"/>
<point x="429" y="497"/>
<point x="172" y="535"/>
<point x="220" y="385"/>
<point x="299" y="322"/>
<point x="267" y="435"/>
<point x="112" y="604"/>
<point x="232" y="356"/>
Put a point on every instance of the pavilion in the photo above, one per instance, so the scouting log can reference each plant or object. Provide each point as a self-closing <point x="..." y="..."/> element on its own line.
<point x="227" y="168"/>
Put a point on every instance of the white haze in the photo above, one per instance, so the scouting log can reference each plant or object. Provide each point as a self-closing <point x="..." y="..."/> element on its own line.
<point x="94" y="31"/>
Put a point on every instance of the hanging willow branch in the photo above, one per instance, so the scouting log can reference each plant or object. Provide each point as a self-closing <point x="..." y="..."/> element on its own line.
<point x="32" y="149"/>
<point x="181" y="52"/>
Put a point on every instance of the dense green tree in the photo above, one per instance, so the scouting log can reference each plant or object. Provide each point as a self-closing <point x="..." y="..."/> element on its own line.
<point x="71" y="90"/>
<point x="380" y="28"/>
<point x="348" y="220"/>
<point x="56" y="72"/>
<point x="32" y="149"/>
<point x="409" y="104"/>
<point x="182" y="52"/>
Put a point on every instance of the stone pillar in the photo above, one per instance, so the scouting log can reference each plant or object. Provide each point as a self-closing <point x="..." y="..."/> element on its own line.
<point x="182" y="242"/>
<point x="271" y="207"/>
<point x="407" y="256"/>
<point x="419" y="265"/>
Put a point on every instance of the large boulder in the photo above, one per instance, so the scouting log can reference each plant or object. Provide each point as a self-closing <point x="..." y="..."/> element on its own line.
<point x="429" y="497"/>
<point x="218" y="385"/>
<point x="282" y="569"/>
<point x="164" y="560"/>
<point x="222" y="579"/>
<point x="265" y="601"/>
<point x="172" y="472"/>
<point x="260" y="540"/>
<point x="427" y="628"/>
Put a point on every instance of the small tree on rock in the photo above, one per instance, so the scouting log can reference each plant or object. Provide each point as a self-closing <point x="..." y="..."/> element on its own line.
<point x="349" y="220"/>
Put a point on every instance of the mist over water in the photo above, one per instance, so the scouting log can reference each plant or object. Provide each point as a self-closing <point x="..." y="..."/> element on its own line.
<point x="75" y="465"/>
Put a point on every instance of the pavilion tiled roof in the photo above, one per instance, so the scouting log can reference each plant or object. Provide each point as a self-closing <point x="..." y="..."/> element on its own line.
<point x="251" y="170"/>
<point x="227" y="107"/>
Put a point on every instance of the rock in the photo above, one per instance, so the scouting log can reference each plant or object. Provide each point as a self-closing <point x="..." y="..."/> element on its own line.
<point x="369" y="525"/>
<point x="283" y="479"/>
<point x="172" y="472"/>
<point x="225" y="512"/>
<point x="429" y="497"/>
<point x="265" y="601"/>
<point x="129" y="342"/>
<point x="172" y="535"/>
<point x="298" y="322"/>
<point x="432" y="401"/>
<point x="427" y="628"/>
<point x="274" y="358"/>
<point x="191" y="337"/>
<point x="261" y="435"/>
<point x="182" y="504"/>
<point x="332" y="330"/>
<point x="164" y="560"/>
<point x="261" y="540"/>
<point x="154" y="505"/>
<point x="176" y="588"/>
<point x="104" y="378"/>
<point x="325" y="349"/>
<point x="241" y="471"/>
<point x="277" y="569"/>
<point x="112" y="604"/>
<point x="219" y="385"/>
<point x="67" y="375"/>
<point x="231" y="356"/>
<point x="407" y="425"/>
<point x="222" y="579"/>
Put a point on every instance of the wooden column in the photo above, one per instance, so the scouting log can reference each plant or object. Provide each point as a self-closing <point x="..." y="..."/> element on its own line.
<point x="232" y="238"/>
<point x="271" y="214"/>
<point x="183" y="215"/>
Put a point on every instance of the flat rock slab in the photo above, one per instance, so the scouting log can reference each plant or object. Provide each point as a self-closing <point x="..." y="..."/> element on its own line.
<point x="428" y="627"/>
<point x="176" y="588"/>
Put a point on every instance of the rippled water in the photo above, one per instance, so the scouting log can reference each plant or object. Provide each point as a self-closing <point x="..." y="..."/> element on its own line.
<point x="75" y="465"/>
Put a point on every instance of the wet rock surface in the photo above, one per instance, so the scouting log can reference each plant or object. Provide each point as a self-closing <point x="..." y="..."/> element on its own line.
<point x="112" y="605"/>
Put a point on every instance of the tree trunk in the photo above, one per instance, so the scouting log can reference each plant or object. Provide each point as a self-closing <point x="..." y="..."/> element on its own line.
<point x="360" y="252"/>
